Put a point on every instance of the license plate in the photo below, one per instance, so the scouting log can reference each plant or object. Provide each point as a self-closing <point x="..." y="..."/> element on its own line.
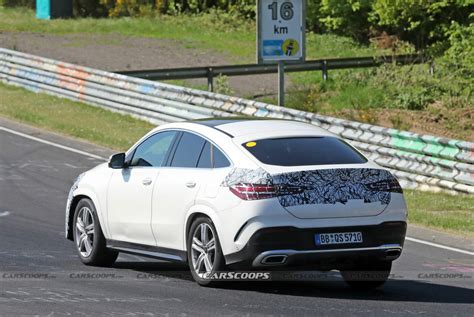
<point x="338" y="238"/>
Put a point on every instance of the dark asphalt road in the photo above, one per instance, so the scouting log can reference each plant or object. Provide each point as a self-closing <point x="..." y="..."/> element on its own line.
<point x="40" y="272"/>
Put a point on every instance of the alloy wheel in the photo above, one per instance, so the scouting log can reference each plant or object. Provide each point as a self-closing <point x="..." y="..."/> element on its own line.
<point x="203" y="251"/>
<point x="85" y="231"/>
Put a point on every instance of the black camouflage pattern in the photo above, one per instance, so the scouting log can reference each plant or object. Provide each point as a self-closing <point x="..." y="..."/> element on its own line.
<point x="324" y="186"/>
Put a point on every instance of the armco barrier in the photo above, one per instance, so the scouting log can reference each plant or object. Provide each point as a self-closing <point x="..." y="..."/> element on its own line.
<point x="419" y="161"/>
<point x="324" y="65"/>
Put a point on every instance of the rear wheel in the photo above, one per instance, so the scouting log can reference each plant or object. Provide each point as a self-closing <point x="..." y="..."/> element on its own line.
<point x="204" y="252"/>
<point x="367" y="275"/>
<point x="88" y="236"/>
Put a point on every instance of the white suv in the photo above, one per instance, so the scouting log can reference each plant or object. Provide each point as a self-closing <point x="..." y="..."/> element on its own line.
<point x="237" y="193"/>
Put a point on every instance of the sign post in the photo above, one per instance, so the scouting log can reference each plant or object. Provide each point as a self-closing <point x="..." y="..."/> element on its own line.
<point x="281" y="83"/>
<point x="281" y="36"/>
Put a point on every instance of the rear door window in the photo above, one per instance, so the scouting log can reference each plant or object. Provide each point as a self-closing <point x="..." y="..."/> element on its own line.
<point x="188" y="151"/>
<point x="299" y="151"/>
<point x="205" y="158"/>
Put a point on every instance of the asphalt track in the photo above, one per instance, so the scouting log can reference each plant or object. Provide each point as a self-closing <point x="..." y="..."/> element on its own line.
<point x="40" y="274"/>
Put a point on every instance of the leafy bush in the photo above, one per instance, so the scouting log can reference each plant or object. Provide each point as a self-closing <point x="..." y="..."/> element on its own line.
<point x="222" y="85"/>
<point x="89" y="8"/>
<point x="414" y="88"/>
<point x="419" y="21"/>
<point x="347" y="17"/>
<point x="118" y="8"/>
<point x="18" y="3"/>
<point x="224" y="21"/>
<point x="242" y="8"/>
<point x="459" y="57"/>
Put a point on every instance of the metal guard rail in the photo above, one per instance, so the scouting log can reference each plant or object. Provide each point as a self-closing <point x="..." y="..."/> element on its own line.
<point x="323" y="65"/>
<point x="419" y="161"/>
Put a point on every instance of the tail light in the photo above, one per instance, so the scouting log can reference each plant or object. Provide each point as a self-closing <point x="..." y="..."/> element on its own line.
<point x="258" y="191"/>
<point x="254" y="191"/>
<point x="389" y="185"/>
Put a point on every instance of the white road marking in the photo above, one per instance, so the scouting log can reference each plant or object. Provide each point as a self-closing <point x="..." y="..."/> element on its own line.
<point x="71" y="166"/>
<point x="67" y="148"/>
<point x="436" y="245"/>
<point x="4" y="213"/>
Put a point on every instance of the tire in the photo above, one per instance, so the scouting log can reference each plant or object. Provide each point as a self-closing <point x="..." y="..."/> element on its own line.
<point x="210" y="253"/>
<point x="88" y="237"/>
<point x="367" y="276"/>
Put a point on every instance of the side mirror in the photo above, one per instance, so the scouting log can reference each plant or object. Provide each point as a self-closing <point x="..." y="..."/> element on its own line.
<point x="117" y="161"/>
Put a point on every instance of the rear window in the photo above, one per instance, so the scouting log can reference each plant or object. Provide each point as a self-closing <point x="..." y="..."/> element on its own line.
<point x="303" y="151"/>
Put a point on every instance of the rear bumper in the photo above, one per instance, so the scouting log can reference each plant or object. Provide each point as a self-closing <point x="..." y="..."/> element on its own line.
<point x="293" y="247"/>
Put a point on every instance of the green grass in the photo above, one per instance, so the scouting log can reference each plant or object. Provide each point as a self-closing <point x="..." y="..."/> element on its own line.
<point x="74" y="119"/>
<point x="213" y="31"/>
<point x="196" y="31"/>
<point x="439" y="211"/>
<point x="442" y="211"/>
<point x="344" y="89"/>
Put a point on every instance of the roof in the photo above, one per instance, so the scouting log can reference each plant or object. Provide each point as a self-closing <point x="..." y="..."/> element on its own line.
<point x="238" y="126"/>
<point x="213" y="122"/>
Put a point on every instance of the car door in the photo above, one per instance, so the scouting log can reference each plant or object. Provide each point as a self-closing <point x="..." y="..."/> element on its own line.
<point x="177" y="186"/>
<point x="129" y="196"/>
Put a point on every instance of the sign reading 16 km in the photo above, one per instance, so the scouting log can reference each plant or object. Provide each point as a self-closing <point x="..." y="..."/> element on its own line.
<point x="281" y="30"/>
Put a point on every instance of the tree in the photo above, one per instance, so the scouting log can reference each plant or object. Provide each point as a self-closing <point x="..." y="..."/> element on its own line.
<point x="347" y="17"/>
<point x="421" y="22"/>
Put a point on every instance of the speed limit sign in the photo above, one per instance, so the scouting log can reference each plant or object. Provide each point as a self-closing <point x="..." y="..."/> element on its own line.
<point x="281" y="31"/>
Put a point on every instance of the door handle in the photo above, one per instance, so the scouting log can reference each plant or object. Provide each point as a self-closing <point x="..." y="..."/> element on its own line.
<point x="190" y="184"/>
<point x="146" y="181"/>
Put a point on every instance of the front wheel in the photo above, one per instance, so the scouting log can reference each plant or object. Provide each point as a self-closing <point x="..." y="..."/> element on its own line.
<point x="88" y="236"/>
<point x="367" y="276"/>
<point x="204" y="252"/>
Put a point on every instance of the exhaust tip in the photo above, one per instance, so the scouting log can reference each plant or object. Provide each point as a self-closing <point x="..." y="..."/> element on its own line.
<point x="277" y="259"/>
<point x="392" y="254"/>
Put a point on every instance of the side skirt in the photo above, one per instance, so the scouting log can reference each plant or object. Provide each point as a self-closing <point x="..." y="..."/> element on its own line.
<point x="148" y="250"/>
